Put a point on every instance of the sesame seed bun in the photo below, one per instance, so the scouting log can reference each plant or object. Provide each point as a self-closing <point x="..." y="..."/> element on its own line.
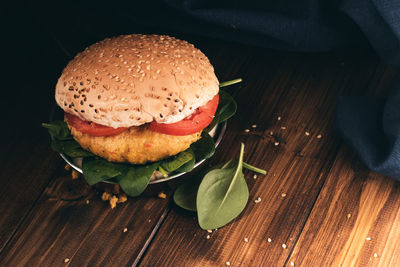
<point x="134" y="79"/>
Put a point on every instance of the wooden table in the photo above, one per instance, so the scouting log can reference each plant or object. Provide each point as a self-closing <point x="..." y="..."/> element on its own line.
<point x="320" y="206"/>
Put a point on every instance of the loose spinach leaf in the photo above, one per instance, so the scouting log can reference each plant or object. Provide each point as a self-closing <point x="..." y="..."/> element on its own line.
<point x="222" y="194"/>
<point x="97" y="170"/>
<point x="204" y="148"/>
<point x="70" y="148"/>
<point x="58" y="130"/>
<point x="185" y="195"/>
<point x="173" y="163"/>
<point x="135" y="180"/>
<point x="188" y="166"/>
<point x="227" y="107"/>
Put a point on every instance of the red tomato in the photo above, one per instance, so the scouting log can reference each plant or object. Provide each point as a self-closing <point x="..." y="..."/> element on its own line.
<point x="194" y="123"/>
<point x="92" y="128"/>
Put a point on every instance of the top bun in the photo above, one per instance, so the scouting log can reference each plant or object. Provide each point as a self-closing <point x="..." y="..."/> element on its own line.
<point x="134" y="79"/>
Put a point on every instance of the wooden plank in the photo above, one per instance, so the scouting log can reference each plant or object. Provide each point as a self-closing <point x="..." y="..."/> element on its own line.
<point x="63" y="225"/>
<point x="302" y="91"/>
<point x="355" y="221"/>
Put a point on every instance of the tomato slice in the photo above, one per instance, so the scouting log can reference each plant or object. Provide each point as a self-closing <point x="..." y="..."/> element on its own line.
<point x="194" y="123"/>
<point x="92" y="128"/>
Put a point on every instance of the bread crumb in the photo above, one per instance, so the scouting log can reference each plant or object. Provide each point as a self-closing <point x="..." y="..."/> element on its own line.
<point x="258" y="200"/>
<point x="122" y="198"/>
<point x="105" y="196"/>
<point x="279" y="118"/>
<point x="307" y="133"/>
<point x="246" y="239"/>
<point x="254" y="126"/>
<point x="67" y="167"/>
<point x="284" y="245"/>
<point x="319" y="136"/>
<point x="348" y="216"/>
<point x="269" y="240"/>
<point x="113" y="201"/>
<point x="246" y="130"/>
<point x="74" y="174"/>
<point x="66" y="260"/>
<point x="87" y="201"/>
<point x="125" y="230"/>
<point x="162" y="195"/>
<point x="283" y="195"/>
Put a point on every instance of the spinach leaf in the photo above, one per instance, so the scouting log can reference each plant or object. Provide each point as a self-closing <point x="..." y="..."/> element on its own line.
<point x="222" y="194"/>
<point x="97" y="170"/>
<point x="204" y="148"/>
<point x="188" y="166"/>
<point x="173" y="163"/>
<point x="70" y="148"/>
<point x="135" y="180"/>
<point x="227" y="107"/>
<point x="185" y="195"/>
<point x="58" y="130"/>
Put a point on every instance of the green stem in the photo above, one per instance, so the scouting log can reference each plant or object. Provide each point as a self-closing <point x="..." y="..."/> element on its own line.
<point x="254" y="169"/>
<point x="163" y="172"/>
<point x="227" y="83"/>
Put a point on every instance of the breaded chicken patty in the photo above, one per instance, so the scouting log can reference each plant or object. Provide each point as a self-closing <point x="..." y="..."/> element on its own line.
<point x="137" y="145"/>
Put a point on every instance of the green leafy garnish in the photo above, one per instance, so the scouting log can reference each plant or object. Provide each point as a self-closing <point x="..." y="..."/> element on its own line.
<point x="204" y="148"/>
<point x="174" y="163"/>
<point x="227" y="83"/>
<point x="226" y="109"/>
<point x="222" y="195"/>
<point x="188" y="166"/>
<point x="58" y="130"/>
<point x="135" y="180"/>
<point x="97" y="170"/>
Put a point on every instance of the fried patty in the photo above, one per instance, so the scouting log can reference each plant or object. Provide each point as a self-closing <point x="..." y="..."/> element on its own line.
<point x="136" y="145"/>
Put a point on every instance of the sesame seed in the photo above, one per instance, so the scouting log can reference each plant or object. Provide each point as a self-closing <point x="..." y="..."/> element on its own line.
<point x="210" y="231"/>
<point x="348" y="216"/>
<point x="66" y="260"/>
<point x="319" y="136"/>
<point x="283" y="127"/>
<point x="279" y="118"/>
<point x="246" y="239"/>
<point x="87" y="201"/>
<point x="276" y="143"/>
<point x="283" y="194"/>
<point x="254" y="126"/>
<point x="125" y="230"/>
<point x="307" y="133"/>
<point x="375" y="255"/>
<point x="246" y="130"/>
<point x="291" y="263"/>
<point x="208" y="236"/>
<point x="284" y="245"/>
<point x="269" y="240"/>
<point x="228" y="263"/>
<point x="255" y="176"/>
<point x="258" y="200"/>
<point x="368" y="238"/>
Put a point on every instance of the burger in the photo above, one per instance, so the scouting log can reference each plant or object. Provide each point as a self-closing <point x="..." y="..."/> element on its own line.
<point x="135" y="105"/>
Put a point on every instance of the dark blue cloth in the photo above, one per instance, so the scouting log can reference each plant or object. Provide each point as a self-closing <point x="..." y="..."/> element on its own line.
<point x="370" y="126"/>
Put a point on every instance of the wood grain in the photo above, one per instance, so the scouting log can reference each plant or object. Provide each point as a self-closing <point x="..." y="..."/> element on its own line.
<point x="355" y="219"/>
